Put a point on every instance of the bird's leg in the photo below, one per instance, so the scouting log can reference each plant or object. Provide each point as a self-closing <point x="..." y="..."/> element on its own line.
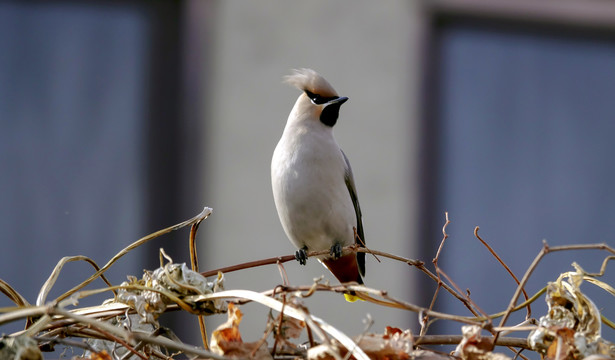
<point x="301" y="255"/>
<point x="336" y="250"/>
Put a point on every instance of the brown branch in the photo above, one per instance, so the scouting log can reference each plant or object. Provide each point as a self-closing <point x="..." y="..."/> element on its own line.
<point x="352" y="248"/>
<point x="445" y="236"/>
<point x="468" y="299"/>
<point x="602" y="270"/>
<point x="97" y="325"/>
<point x="278" y="332"/>
<point x="490" y="249"/>
<point x="393" y="302"/>
<point x="12" y="294"/>
<point x="362" y="243"/>
<point x="456" y="339"/>
<point x="194" y="262"/>
<point x="198" y="218"/>
<point x="251" y="264"/>
<point x="50" y="282"/>
<point x="424" y="323"/>
<point x="105" y="335"/>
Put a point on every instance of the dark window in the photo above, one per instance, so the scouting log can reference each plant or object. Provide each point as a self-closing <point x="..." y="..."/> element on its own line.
<point x="520" y="125"/>
<point x="94" y="150"/>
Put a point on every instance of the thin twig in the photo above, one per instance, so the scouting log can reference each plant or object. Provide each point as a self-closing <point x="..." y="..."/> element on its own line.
<point x="51" y="341"/>
<point x="467" y="297"/>
<point x="12" y="294"/>
<point x="198" y="218"/>
<point x="362" y="243"/>
<point x="283" y="274"/>
<point x="42" y="295"/>
<point x="117" y="340"/>
<point x="279" y="332"/>
<point x="544" y="251"/>
<point x="602" y="270"/>
<point x="251" y="264"/>
<point x="194" y="263"/>
<point x="155" y="340"/>
<point x="348" y="249"/>
<point x="445" y="236"/>
<point x="60" y="322"/>
<point x="424" y="319"/>
<point x="456" y="339"/>
<point x="499" y="259"/>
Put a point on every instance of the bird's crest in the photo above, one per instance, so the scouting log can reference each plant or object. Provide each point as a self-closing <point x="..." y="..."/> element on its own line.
<point x="308" y="79"/>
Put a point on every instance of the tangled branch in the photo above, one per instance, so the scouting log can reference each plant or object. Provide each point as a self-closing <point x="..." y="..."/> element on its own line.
<point x="127" y="324"/>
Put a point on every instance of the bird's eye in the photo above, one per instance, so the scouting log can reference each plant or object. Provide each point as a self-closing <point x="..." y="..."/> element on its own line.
<point x="317" y="99"/>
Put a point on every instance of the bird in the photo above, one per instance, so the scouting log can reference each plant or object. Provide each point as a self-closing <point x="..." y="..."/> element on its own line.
<point x="313" y="184"/>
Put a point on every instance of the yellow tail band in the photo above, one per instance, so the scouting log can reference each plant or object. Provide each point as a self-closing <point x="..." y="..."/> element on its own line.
<point x="352" y="298"/>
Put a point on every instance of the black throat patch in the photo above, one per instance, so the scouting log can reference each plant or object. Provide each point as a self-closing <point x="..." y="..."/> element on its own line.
<point x="329" y="114"/>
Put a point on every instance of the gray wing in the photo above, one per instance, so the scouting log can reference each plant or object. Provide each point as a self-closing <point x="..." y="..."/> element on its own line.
<point x="349" y="179"/>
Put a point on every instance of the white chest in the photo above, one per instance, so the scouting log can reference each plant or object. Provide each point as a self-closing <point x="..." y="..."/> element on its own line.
<point x="310" y="192"/>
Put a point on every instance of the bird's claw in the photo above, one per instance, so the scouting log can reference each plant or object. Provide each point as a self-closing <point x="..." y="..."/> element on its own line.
<point x="301" y="256"/>
<point x="336" y="251"/>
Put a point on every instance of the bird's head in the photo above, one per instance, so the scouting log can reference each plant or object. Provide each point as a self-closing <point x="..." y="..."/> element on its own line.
<point x="319" y="99"/>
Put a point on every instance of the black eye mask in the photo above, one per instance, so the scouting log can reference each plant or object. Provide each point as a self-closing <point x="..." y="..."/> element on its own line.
<point x="318" y="99"/>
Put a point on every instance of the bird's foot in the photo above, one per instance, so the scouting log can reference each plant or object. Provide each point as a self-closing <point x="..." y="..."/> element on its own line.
<point x="301" y="255"/>
<point x="336" y="250"/>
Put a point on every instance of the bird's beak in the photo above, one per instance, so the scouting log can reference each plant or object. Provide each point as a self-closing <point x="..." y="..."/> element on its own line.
<point x="339" y="101"/>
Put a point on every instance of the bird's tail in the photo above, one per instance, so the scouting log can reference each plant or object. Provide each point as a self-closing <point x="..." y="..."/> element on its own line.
<point x="345" y="269"/>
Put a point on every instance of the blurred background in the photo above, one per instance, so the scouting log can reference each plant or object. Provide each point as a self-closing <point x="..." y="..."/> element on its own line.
<point x="120" y="118"/>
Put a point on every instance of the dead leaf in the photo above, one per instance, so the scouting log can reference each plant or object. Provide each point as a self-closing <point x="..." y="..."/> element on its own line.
<point x="226" y="339"/>
<point x="563" y="346"/>
<point x="253" y="350"/>
<point x="290" y="328"/>
<point x="474" y="346"/>
<point x="103" y="355"/>
<point x="572" y="327"/>
<point x="393" y="344"/>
